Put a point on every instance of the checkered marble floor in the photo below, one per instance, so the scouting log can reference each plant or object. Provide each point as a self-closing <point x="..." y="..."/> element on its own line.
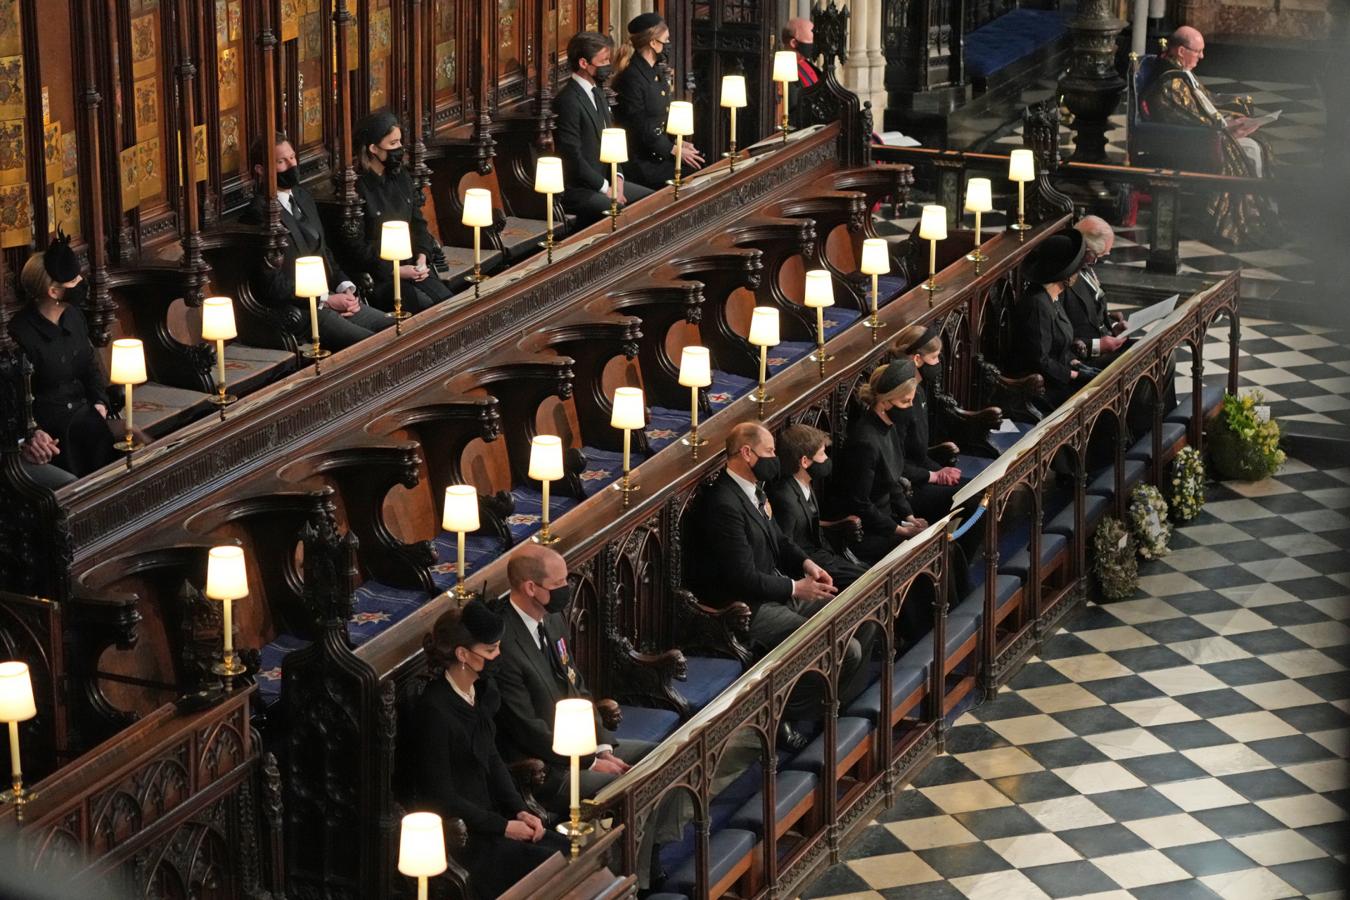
<point x="1188" y="742"/>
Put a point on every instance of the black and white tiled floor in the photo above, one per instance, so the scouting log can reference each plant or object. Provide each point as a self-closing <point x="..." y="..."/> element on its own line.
<point x="1188" y="742"/>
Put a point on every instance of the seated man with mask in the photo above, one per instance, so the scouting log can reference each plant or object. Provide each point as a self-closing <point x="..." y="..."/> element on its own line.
<point x="1085" y="301"/>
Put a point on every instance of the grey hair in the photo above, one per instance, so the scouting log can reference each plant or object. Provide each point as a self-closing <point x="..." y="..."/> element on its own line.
<point x="1095" y="231"/>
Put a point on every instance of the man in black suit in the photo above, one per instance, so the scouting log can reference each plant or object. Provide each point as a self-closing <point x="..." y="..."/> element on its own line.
<point x="805" y="467"/>
<point x="1085" y="301"/>
<point x="343" y="318"/>
<point x="746" y="556"/>
<point x="582" y="112"/>
<point x="536" y="670"/>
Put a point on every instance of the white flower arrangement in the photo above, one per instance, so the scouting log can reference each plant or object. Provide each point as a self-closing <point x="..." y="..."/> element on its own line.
<point x="1148" y="521"/>
<point x="1188" y="485"/>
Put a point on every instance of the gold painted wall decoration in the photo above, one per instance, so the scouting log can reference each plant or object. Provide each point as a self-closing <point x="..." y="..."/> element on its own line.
<point x="128" y="162"/>
<point x="11" y="87"/>
<point x="51" y="151"/>
<point x="145" y="107"/>
<point x="65" y="206"/>
<point x="16" y="216"/>
<point x="13" y="152"/>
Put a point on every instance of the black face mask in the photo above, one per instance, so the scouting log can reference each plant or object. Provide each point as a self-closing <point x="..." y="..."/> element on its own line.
<point x="489" y="665"/>
<point x="820" y="470"/>
<point x="288" y="179"/>
<point x="558" y="598"/>
<point x="76" y="295"/>
<point x="931" y="374"/>
<point x="602" y="73"/>
<point x="393" y="161"/>
<point x="766" y="469"/>
<point x="807" y="50"/>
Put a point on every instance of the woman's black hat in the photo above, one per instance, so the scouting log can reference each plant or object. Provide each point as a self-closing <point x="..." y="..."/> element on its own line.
<point x="895" y="374"/>
<point x="481" y="622"/>
<point x="643" y="22"/>
<point x="60" y="261"/>
<point x="1059" y="257"/>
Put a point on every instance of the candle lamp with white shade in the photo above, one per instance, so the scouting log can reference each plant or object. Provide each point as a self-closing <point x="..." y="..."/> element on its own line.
<point x="16" y="705"/>
<point x="695" y="373"/>
<point x="680" y="123"/>
<point x="574" y="737"/>
<point x="979" y="200"/>
<point x="613" y="150"/>
<point x="460" y="516"/>
<point x="546" y="466"/>
<point x="477" y="215"/>
<point x="733" y="98"/>
<point x="819" y="294"/>
<point x="395" y="247"/>
<point x="227" y="581"/>
<point x="421" y="849"/>
<point x="1021" y="169"/>
<point x="629" y="413"/>
<point x="763" y="334"/>
<point x="218" y="325"/>
<point x="127" y="368"/>
<point x="548" y="180"/>
<point x="933" y="228"/>
<point x="785" y="72"/>
<point x="876" y="260"/>
<point x="311" y="282"/>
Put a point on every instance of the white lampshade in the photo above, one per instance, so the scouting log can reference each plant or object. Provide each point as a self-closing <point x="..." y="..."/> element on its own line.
<point x="979" y="195"/>
<point x="310" y="278"/>
<point x="695" y="367"/>
<point x="574" y="727"/>
<point x="785" y="65"/>
<point x="764" y="326"/>
<point x="876" y="257"/>
<point x="546" y="457"/>
<point x="613" y="145"/>
<point x="421" y="846"/>
<point x="681" y="119"/>
<point x="477" y="208"/>
<point x="128" y="362"/>
<point x="548" y="175"/>
<point x="933" y="225"/>
<point x="1022" y="166"/>
<point x="16" y="693"/>
<point x="461" y="508"/>
<point x="226" y="574"/>
<point x="218" y="319"/>
<point x="629" y="409"/>
<point x="819" y="289"/>
<point x="395" y="241"/>
<point x="733" y="91"/>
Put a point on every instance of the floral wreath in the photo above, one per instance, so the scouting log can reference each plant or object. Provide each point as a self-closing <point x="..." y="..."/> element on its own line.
<point x="1114" y="559"/>
<point x="1148" y="521"/>
<point x="1188" y="485"/>
<point x="1244" y="441"/>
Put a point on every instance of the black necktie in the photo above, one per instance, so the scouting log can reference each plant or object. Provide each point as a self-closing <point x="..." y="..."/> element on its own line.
<point x="601" y="103"/>
<point x="761" y="499"/>
<point x="543" y="644"/>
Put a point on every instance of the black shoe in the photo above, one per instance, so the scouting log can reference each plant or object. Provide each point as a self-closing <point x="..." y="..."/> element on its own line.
<point x="791" y="739"/>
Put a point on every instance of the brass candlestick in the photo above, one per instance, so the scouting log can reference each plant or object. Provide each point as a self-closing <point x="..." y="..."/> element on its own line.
<point x="315" y="352"/>
<point x="577" y="831"/>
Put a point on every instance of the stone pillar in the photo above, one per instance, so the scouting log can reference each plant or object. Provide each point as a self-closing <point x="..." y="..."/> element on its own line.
<point x="857" y="73"/>
<point x="876" y="63"/>
<point x="1092" y="87"/>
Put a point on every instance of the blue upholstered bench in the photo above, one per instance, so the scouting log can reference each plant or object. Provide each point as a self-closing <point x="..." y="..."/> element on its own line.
<point x="994" y="51"/>
<point x="850" y="737"/>
<point x="708" y="677"/>
<point x="728" y="859"/>
<point x="960" y="628"/>
<point x="1095" y="507"/>
<point x="1172" y="434"/>
<point x="1210" y="398"/>
<point x="641" y="723"/>
<point x="1002" y="440"/>
<point x="1104" y="482"/>
<point x="1019" y="564"/>
<point x="793" y="799"/>
<point x="907" y="679"/>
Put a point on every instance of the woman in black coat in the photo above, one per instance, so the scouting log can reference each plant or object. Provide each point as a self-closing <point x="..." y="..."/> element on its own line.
<point x="388" y="194"/>
<point x="868" y="483"/>
<point x="459" y="771"/>
<point x="644" y="105"/>
<point x="1045" y="339"/>
<point x="933" y="483"/>
<point x="70" y="391"/>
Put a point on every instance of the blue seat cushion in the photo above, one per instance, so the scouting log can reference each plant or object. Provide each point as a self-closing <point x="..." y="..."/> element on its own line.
<point x="959" y="629"/>
<point x="1002" y="440"/>
<point x="1210" y="398"/>
<point x="1020" y="563"/>
<point x="1104" y="484"/>
<point x="888" y="288"/>
<point x="1011" y="37"/>
<point x="837" y="318"/>
<point x="971" y="466"/>
<point x="708" y="677"/>
<point x="726" y="848"/>
<point x="849" y="733"/>
<point x="269" y="666"/>
<point x="1005" y="588"/>
<point x="1143" y="448"/>
<point x="793" y="787"/>
<point x="905" y="678"/>
<point x="1095" y="507"/>
<point x="642" y="723"/>
<point x="727" y="387"/>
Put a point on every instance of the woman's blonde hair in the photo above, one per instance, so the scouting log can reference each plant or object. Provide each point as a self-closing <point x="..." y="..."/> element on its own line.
<point x="34" y="280"/>
<point x="911" y="334"/>
<point x="624" y="54"/>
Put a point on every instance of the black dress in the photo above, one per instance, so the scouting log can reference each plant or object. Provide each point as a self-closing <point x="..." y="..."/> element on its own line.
<point x="867" y="484"/>
<point x="390" y="198"/>
<point x="461" y="774"/>
<point x="644" y="106"/>
<point x="67" y="381"/>
<point x="931" y="501"/>
<point x="1045" y="345"/>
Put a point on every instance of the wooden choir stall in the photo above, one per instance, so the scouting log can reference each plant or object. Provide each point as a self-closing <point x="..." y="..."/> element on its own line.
<point x="150" y="771"/>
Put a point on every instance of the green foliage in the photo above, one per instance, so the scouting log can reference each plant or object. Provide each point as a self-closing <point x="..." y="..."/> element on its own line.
<point x="1114" y="559"/>
<point x="1241" y="445"/>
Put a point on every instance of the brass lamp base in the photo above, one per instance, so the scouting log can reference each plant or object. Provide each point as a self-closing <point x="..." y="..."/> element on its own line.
<point x="1021" y="228"/>
<point x="976" y="257"/>
<point x="475" y="279"/>
<point x="875" y="324"/>
<point x="676" y="182"/>
<point x="693" y="442"/>
<point x="576" y="831"/>
<point x="316" y="353"/>
<point x="820" y="356"/>
<point x="461" y="591"/>
<point x="626" y="487"/>
<point x="548" y="247"/>
<point x="730" y="157"/>
<point x="613" y="215"/>
<point x="544" y="536"/>
<point x="223" y="399"/>
<point x="129" y="445"/>
<point x="229" y="668"/>
<point x="20" y="797"/>
<point x="785" y="128"/>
